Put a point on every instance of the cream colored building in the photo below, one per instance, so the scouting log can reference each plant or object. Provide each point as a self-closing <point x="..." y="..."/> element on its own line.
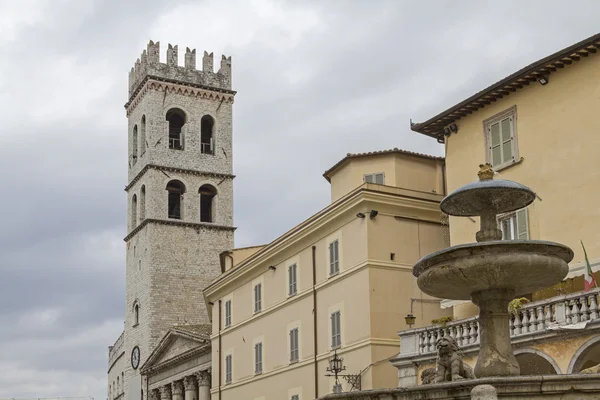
<point x="538" y="126"/>
<point x="341" y="280"/>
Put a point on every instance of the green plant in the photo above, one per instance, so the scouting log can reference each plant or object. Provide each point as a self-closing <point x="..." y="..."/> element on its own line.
<point x="442" y="320"/>
<point x="515" y="305"/>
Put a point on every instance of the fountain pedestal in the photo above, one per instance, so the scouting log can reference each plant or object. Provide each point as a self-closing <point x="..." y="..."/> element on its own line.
<point x="496" y="357"/>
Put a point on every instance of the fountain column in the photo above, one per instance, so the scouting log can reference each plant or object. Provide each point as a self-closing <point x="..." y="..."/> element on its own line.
<point x="496" y="356"/>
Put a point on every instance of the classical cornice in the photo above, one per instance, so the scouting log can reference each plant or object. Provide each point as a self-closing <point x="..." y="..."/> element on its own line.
<point x="174" y="86"/>
<point x="195" y="352"/>
<point x="194" y="225"/>
<point x="175" y="170"/>
<point x="426" y="204"/>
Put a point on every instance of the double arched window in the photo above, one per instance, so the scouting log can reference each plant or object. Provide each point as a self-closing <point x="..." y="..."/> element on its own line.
<point x="176" y="191"/>
<point x="175" y="120"/>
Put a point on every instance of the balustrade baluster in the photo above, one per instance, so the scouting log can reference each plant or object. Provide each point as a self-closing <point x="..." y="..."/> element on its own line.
<point x="568" y="312"/>
<point x="476" y="331"/>
<point x="575" y="312"/>
<point x="428" y="339"/>
<point x="525" y="321"/>
<point x="518" y="323"/>
<point x="469" y="333"/>
<point x="540" y="318"/>
<point x="584" y="308"/>
<point x="420" y="343"/>
<point x="511" y="326"/>
<point x="548" y="316"/>
<point x="593" y="307"/>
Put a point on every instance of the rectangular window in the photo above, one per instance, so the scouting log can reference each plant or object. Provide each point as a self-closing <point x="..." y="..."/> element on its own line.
<point x="374" y="178"/>
<point x="336" y="330"/>
<point x="257" y="297"/>
<point x="334" y="257"/>
<point x="228" y="368"/>
<point x="294" y="354"/>
<point x="514" y="226"/>
<point x="258" y="362"/>
<point x="227" y="313"/>
<point x="502" y="144"/>
<point x="292" y="279"/>
<point x="295" y="397"/>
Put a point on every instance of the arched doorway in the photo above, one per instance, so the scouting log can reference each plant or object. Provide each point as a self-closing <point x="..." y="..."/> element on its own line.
<point x="535" y="362"/>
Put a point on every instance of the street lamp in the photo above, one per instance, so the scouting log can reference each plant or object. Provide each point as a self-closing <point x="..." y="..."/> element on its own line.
<point x="410" y="320"/>
<point x="336" y="365"/>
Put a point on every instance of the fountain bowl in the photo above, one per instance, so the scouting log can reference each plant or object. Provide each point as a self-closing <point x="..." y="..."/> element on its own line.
<point x="520" y="266"/>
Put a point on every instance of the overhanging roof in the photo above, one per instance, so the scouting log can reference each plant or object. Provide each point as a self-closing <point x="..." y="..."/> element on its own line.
<point x="434" y="126"/>
<point x="327" y="174"/>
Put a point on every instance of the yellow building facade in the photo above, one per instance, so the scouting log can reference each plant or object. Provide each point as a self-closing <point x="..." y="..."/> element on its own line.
<point x="538" y="127"/>
<point x="340" y="282"/>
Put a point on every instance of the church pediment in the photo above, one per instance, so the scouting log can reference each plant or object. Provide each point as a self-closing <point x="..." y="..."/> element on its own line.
<point x="177" y="344"/>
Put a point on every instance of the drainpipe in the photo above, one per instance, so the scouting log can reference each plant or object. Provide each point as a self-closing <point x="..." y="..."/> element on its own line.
<point x="220" y="355"/>
<point x="314" y="273"/>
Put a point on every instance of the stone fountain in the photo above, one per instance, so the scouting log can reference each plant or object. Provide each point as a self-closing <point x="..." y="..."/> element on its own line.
<point x="492" y="271"/>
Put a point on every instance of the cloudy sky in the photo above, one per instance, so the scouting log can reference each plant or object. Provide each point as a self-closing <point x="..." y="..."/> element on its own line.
<point x="315" y="80"/>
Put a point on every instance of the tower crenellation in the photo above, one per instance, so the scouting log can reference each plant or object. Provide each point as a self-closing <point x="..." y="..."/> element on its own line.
<point x="149" y="65"/>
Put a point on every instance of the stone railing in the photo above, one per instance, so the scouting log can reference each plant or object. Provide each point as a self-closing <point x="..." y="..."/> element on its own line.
<point x="115" y="350"/>
<point x="538" y="316"/>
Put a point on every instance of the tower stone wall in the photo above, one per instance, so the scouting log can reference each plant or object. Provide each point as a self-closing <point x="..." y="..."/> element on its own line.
<point x="171" y="260"/>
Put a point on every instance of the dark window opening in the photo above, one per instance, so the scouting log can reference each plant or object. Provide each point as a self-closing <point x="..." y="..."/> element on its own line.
<point x="136" y="317"/>
<point x="176" y="120"/>
<point x="142" y="142"/>
<point x="134" y="212"/>
<point x="206" y="134"/>
<point x="134" y="146"/>
<point x="207" y="195"/>
<point x="143" y="203"/>
<point x="176" y="190"/>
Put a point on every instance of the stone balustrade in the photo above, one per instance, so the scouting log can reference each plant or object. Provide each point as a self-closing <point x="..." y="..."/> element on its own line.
<point x="532" y="321"/>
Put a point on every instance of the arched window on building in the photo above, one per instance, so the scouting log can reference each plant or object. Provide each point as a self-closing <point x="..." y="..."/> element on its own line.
<point x="176" y="120"/>
<point x="134" y="145"/>
<point x="207" y="200"/>
<point x="143" y="136"/>
<point x="143" y="203"/>
<point x="133" y="212"/>
<point x="136" y="314"/>
<point x="123" y="382"/>
<point x="207" y="125"/>
<point x="176" y="191"/>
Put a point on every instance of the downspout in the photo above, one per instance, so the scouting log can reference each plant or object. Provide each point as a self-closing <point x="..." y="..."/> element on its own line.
<point x="314" y="276"/>
<point x="220" y="355"/>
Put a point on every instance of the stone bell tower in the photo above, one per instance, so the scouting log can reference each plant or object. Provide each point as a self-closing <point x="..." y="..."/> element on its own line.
<point x="179" y="195"/>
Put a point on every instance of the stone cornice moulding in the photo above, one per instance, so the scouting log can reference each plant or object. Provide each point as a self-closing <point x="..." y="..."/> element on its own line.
<point x="195" y="225"/>
<point x="174" y="170"/>
<point x="346" y="206"/>
<point x="166" y="341"/>
<point x="174" y="86"/>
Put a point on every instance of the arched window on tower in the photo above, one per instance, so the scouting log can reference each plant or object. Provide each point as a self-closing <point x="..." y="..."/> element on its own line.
<point x="207" y="125"/>
<point x="207" y="200"/>
<point x="143" y="203"/>
<point x="142" y="145"/>
<point x="134" y="146"/>
<point x="133" y="212"/>
<point x="176" y="190"/>
<point x="136" y="314"/>
<point x="175" y="120"/>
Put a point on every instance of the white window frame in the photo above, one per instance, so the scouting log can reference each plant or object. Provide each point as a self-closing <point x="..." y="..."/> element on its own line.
<point x="336" y="334"/>
<point x="511" y="113"/>
<point x="294" y="339"/>
<point x="228" y="368"/>
<point x="518" y="222"/>
<point x="292" y="279"/>
<point x="227" y="305"/>
<point x="334" y="257"/>
<point x="373" y="177"/>
<point x="258" y="295"/>
<point x="258" y="358"/>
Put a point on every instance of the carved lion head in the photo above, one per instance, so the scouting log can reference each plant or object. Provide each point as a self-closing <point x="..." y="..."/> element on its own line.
<point x="447" y="345"/>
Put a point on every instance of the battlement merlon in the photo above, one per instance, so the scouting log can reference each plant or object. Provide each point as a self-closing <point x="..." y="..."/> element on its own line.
<point x="149" y="65"/>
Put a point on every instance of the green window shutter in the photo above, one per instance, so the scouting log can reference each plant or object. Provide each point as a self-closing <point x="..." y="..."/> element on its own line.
<point x="522" y="224"/>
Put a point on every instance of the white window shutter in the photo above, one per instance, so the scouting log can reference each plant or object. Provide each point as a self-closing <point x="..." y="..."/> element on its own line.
<point x="379" y="179"/>
<point x="369" y="178"/>
<point x="522" y="224"/>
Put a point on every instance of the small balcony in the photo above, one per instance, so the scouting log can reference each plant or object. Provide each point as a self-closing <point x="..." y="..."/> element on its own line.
<point x="537" y="322"/>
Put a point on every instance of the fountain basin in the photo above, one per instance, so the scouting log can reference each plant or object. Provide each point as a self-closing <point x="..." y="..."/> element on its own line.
<point x="519" y="266"/>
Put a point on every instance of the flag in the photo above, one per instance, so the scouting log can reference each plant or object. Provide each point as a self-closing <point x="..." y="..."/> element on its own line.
<point x="589" y="280"/>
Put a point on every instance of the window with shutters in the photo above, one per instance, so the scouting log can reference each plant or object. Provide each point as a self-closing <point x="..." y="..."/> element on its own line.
<point x="228" y="368"/>
<point x="257" y="297"/>
<point x="292" y="279"/>
<point x="334" y="257"/>
<point x="501" y="139"/>
<point x="294" y="354"/>
<point x="515" y="225"/>
<point x="227" y="313"/>
<point x="258" y="358"/>
<point x="374" y="178"/>
<point x="336" y="330"/>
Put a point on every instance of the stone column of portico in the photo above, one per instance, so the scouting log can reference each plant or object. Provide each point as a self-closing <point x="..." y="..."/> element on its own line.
<point x="165" y="392"/>
<point x="191" y="389"/>
<point x="154" y="394"/>
<point x="177" y="390"/>
<point x="203" y="378"/>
